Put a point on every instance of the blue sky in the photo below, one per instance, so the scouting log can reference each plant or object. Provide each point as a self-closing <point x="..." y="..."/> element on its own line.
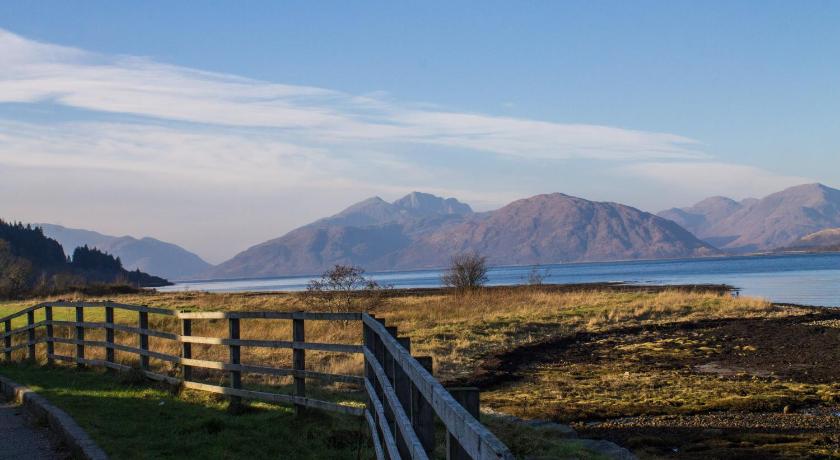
<point x="217" y="125"/>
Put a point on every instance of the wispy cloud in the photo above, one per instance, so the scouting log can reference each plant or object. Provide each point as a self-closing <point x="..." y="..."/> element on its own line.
<point x="38" y="72"/>
<point x="227" y="161"/>
<point x="704" y="179"/>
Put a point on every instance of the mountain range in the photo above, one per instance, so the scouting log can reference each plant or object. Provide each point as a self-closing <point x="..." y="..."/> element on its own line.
<point x="775" y="221"/>
<point x="424" y="231"/>
<point x="146" y="254"/>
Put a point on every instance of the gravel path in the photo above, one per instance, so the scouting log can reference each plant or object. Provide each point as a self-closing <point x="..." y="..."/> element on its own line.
<point x="19" y="439"/>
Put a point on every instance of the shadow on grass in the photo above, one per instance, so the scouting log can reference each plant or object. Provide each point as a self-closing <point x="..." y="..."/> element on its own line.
<point x="147" y="421"/>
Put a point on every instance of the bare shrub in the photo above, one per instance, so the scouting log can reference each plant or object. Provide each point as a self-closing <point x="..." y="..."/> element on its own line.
<point x="537" y="276"/>
<point x="466" y="272"/>
<point x="344" y="288"/>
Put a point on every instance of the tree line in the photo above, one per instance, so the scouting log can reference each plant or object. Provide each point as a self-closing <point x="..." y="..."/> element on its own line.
<point x="31" y="264"/>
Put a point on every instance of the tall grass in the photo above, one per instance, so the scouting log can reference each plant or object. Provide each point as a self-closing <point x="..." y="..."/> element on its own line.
<point x="456" y="330"/>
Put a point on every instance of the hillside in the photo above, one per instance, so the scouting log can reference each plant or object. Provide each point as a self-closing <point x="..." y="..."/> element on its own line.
<point x="146" y="254"/>
<point x="827" y="240"/>
<point x="777" y="220"/>
<point x="423" y="231"/>
<point x="31" y="263"/>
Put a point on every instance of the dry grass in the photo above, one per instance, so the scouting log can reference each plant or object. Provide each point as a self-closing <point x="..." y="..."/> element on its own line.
<point x="456" y="330"/>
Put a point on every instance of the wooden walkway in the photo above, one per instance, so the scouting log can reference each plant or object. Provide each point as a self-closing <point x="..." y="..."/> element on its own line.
<point x="19" y="439"/>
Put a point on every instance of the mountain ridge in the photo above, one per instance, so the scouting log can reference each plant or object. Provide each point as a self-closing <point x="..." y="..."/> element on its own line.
<point x="775" y="221"/>
<point x="147" y="254"/>
<point x="546" y="228"/>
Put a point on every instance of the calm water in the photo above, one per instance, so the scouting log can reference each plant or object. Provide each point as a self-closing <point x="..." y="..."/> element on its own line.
<point x="803" y="279"/>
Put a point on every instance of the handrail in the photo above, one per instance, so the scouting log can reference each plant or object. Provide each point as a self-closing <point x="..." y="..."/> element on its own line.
<point x="473" y="437"/>
<point x="402" y="395"/>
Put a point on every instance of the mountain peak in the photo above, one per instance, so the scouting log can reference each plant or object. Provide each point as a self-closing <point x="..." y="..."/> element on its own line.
<point x="426" y="204"/>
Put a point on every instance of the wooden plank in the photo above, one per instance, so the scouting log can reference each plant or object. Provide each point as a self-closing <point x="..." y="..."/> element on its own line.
<point x="22" y="312"/>
<point x="469" y="398"/>
<point x="422" y="414"/>
<point x="80" y="336"/>
<point x="402" y="421"/>
<point x="299" y="361"/>
<point x="402" y="387"/>
<point x="186" y="348"/>
<point x="109" y="334"/>
<point x="384" y="429"/>
<point x="7" y="339"/>
<point x="48" y="316"/>
<point x="22" y="329"/>
<point x="118" y="306"/>
<point x="235" y="375"/>
<point x="476" y="439"/>
<point x="275" y="397"/>
<point x="143" y="324"/>
<point x="119" y="367"/>
<point x="21" y="346"/>
<point x="30" y="321"/>
<point x="120" y="327"/>
<point x="374" y="433"/>
<point x="117" y="346"/>
<point x="314" y="316"/>
<point x="137" y="330"/>
<point x="333" y="347"/>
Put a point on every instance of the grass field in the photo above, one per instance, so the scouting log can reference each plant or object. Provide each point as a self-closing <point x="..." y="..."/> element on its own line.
<point x="457" y="331"/>
<point x="140" y="420"/>
<point x="584" y="356"/>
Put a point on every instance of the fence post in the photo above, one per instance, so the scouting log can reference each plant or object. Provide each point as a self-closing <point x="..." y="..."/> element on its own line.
<point x="373" y="344"/>
<point x="109" y="336"/>
<point x="7" y="340"/>
<point x="379" y="355"/>
<point x="186" y="348"/>
<point x="30" y="322"/>
<point x="402" y="387"/>
<point x="422" y="414"/>
<point x="469" y="398"/>
<point x="80" y="337"/>
<point x="235" y="375"/>
<point x="144" y="340"/>
<point x="388" y="366"/>
<point x="48" y="317"/>
<point x="299" y="361"/>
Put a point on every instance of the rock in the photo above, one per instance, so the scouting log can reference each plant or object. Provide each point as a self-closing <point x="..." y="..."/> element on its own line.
<point x="607" y="449"/>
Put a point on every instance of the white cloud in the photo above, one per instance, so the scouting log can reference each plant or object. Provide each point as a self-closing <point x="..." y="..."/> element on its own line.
<point x="37" y="72"/>
<point x="704" y="179"/>
<point x="218" y="162"/>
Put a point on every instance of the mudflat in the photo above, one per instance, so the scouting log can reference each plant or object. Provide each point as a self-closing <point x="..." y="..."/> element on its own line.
<point x="717" y="388"/>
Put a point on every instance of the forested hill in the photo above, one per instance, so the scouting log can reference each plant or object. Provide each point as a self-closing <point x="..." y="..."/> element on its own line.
<point x="32" y="264"/>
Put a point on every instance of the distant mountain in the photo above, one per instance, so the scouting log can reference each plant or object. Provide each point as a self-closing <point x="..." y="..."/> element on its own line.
<point x="827" y="240"/>
<point x="777" y="220"/>
<point x="146" y="254"/>
<point x="424" y="231"/>
<point x="33" y="264"/>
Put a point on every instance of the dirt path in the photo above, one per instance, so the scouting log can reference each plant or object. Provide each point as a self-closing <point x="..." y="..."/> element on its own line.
<point x="19" y="439"/>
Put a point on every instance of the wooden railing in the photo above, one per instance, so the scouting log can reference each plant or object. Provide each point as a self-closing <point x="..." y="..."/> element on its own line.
<point x="404" y="400"/>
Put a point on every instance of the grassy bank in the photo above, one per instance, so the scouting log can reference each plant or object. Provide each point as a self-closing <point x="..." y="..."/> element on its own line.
<point x="139" y="420"/>
<point x="586" y="357"/>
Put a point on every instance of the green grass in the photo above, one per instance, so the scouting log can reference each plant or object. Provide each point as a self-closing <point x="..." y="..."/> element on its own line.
<point x="147" y="421"/>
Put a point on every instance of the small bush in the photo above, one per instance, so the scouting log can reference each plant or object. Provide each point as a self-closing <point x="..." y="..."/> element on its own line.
<point x="537" y="276"/>
<point x="344" y="288"/>
<point x="466" y="272"/>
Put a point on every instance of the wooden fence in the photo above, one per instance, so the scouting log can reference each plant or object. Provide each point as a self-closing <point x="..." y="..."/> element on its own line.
<point x="404" y="400"/>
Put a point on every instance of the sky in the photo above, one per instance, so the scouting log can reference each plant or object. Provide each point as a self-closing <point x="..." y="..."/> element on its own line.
<point x="219" y="125"/>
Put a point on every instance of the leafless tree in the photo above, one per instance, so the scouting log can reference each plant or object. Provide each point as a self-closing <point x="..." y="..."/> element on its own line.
<point x="467" y="271"/>
<point x="344" y="288"/>
<point x="537" y="276"/>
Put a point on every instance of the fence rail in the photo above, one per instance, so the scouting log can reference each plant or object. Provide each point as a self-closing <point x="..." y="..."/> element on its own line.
<point x="403" y="398"/>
